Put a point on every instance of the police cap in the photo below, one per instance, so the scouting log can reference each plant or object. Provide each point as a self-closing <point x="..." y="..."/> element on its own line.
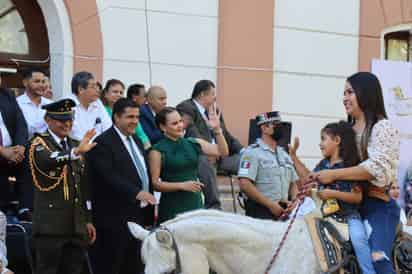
<point x="60" y="110"/>
<point x="268" y="117"/>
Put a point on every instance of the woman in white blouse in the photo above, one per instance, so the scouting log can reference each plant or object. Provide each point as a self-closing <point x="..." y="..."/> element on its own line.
<point x="378" y="143"/>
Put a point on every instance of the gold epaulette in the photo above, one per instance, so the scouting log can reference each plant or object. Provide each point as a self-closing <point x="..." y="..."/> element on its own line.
<point x="34" y="167"/>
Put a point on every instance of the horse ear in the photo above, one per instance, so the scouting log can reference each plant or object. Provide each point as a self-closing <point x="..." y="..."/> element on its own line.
<point x="164" y="237"/>
<point x="137" y="231"/>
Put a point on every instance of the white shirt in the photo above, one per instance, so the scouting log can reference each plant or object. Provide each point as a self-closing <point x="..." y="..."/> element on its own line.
<point x="136" y="149"/>
<point x="33" y="114"/>
<point x="201" y="109"/>
<point x="58" y="140"/>
<point x="85" y="119"/>
<point x="5" y="133"/>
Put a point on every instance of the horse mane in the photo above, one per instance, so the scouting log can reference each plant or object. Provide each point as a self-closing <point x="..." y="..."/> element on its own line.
<point x="199" y="213"/>
<point x="225" y="223"/>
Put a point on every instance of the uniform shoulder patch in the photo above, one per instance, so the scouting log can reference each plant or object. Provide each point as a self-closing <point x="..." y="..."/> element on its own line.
<point x="36" y="140"/>
<point x="39" y="148"/>
<point x="245" y="163"/>
<point x="254" y="145"/>
<point x="244" y="166"/>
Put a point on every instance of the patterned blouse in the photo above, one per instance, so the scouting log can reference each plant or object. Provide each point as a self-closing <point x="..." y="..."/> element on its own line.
<point x="408" y="190"/>
<point x="383" y="153"/>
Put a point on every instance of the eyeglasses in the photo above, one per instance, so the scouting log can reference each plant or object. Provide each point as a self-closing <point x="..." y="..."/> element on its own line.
<point x="94" y="86"/>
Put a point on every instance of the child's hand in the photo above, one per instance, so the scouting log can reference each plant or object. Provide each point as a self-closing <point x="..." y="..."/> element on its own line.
<point x="326" y="194"/>
<point x="294" y="147"/>
<point x="326" y="176"/>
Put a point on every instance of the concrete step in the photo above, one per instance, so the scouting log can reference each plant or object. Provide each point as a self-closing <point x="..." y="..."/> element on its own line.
<point x="226" y="197"/>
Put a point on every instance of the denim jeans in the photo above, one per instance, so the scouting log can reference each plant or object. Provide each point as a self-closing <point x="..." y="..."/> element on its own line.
<point x="360" y="244"/>
<point x="381" y="219"/>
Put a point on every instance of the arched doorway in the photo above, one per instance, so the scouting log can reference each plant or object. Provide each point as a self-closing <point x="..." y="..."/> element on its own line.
<point x="23" y="42"/>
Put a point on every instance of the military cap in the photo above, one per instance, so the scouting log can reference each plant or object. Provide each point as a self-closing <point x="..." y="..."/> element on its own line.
<point x="268" y="117"/>
<point x="60" y="110"/>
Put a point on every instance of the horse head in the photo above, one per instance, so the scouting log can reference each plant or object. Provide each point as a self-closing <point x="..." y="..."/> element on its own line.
<point x="158" y="249"/>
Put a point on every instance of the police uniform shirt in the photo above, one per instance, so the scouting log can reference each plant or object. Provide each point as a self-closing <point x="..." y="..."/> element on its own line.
<point x="271" y="171"/>
<point x="33" y="114"/>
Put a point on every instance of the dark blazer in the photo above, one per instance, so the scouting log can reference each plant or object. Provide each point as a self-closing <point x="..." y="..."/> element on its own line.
<point x="147" y="120"/>
<point x="199" y="128"/>
<point x="13" y="117"/>
<point x="115" y="183"/>
<point x="15" y="123"/>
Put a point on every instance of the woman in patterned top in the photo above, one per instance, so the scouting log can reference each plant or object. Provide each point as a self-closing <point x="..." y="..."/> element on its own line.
<point x="378" y="142"/>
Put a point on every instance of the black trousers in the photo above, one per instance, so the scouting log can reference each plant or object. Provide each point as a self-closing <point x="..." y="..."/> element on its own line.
<point x="207" y="175"/>
<point x="116" y="252"/>
<point x="21" y="190"/>
<point x="255" y="210"/>
<point x="4" y="192"/>
<point x="59" y="255"/>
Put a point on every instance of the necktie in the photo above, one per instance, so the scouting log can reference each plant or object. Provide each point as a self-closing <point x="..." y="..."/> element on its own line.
<point x="139" y="165"/>
<point x="63" y="144"/>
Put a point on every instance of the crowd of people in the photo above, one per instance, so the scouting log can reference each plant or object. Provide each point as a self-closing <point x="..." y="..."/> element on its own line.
<point x="86" y="165"/>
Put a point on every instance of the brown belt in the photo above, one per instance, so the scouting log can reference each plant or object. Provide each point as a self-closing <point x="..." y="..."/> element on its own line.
<point x="378" y="193"/>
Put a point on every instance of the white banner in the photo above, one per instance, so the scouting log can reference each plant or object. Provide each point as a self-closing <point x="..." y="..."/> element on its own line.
<point x="396" y="81"/>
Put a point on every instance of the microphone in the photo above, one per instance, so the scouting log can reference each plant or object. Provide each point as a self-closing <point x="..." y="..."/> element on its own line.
<point x="98" y="121"/>
<point x="98" y="125"/>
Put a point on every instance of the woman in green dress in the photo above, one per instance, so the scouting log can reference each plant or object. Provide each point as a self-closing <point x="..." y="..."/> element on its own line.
<point x="174" y="163"/>
<point x="113" y="91"/>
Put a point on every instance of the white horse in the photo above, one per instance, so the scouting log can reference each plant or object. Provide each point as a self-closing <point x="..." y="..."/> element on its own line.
<point x="227" y="243"/>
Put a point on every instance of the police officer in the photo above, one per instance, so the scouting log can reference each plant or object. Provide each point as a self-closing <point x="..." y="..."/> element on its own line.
<point x="266" y="173"/>
<point x="62" y="226"/>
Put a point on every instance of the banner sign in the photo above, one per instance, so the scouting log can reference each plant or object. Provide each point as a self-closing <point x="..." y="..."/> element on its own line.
<point x="396" y="81"/>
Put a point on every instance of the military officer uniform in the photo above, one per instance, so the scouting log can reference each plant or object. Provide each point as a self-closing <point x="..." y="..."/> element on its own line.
<point x="271" y="171"/>
<point x="60" y="190"/>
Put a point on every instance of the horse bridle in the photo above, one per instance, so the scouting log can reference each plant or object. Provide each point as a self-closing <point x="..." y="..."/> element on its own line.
<point x="178" y="268"/>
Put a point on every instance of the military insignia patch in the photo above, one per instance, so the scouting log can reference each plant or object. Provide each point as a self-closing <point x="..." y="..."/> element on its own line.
<point x="54" y="154"/>
<point x="245" y="164"/>
<point x="244" y="167"/>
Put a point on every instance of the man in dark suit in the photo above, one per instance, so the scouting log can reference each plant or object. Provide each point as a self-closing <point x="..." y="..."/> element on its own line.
<point x="196" y="109"/>
<point x="203" y="98"/>
<point x="156" y="101"/>
<point x="121" y="192"/>
<point x="13" y="137"/>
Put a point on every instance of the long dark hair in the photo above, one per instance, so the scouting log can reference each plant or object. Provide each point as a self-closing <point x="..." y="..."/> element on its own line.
<point x="109" y="84"/>
<point x="161" y="117"/>
<point x="201" y="86"/>
<point x="369" y="95"/>
<point x="348" y="150"/>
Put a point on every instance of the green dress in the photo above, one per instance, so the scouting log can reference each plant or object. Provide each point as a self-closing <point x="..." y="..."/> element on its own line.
<point x="180" y="160"/>
<point x="139" y="130"/>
